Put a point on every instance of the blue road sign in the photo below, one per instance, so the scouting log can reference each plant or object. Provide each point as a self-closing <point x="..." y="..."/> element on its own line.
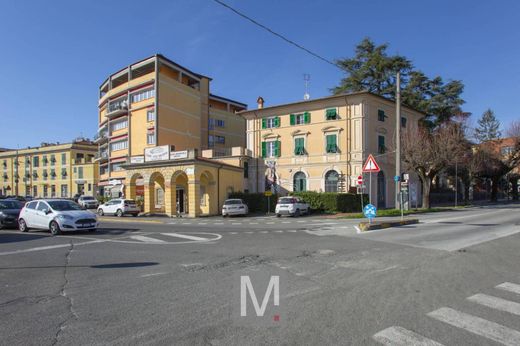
<point x="397" y="178"/>
<point x="370" y="211"/>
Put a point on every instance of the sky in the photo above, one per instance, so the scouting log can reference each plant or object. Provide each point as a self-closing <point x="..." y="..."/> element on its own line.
<point x="55" y="54"/>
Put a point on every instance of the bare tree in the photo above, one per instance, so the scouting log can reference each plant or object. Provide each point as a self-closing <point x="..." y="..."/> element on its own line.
<point x="427" y="153"/>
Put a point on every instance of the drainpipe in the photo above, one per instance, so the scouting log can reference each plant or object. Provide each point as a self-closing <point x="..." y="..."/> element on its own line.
<point x="218" y="189"/>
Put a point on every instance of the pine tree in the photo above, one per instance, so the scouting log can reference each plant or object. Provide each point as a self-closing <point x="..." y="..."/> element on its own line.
<point x="488" y="127"/>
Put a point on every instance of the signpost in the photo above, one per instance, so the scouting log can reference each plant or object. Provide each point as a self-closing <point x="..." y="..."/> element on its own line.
<point x="369" y="167"/>
<point x="268" y="194"/>
<point x="370" y="212"/>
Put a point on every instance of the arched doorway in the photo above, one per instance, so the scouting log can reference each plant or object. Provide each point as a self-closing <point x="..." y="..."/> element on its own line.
<point x="208" y="194"/>
<point x="156" y="193"/>
<point x="331" y="181"/>
<point x="299" y="182"/>
<point x="136" y="189"/>
<point x="381" y="190"/>
<point x="180" y="190"/>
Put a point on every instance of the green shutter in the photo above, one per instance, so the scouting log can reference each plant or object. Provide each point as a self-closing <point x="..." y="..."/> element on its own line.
<point x="299" y="147"/>
<point x="264" y="149"/>
<point x="276" y="121"/>
<point x="306" y="117"/>
<point x="264" y="123"/>
<point x="331" y="114"/>
<point x="293" y="121"/>
<point x="331" y="144"/>
<point x="277" y="149"/>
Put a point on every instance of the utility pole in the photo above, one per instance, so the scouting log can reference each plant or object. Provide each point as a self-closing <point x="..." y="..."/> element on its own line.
<point x="398" y="138"/>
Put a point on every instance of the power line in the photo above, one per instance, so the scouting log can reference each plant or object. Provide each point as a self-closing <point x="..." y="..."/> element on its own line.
<point x="330" y="62"/>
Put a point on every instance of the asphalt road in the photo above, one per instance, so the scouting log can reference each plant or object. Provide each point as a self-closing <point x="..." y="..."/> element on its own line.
<point x="453" y="279"/>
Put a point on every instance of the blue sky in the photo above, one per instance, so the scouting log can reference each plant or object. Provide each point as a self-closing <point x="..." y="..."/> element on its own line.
<point x="55" y="54"/>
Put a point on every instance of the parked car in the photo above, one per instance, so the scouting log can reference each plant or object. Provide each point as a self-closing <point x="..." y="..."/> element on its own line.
<point x="234" y="207"/>
<point x="56" y="215"/>
<point x="9" y="211"/>
<point x="119" y="207"/>
<point x="293" y="206"/>
<point x="88" y="202"/>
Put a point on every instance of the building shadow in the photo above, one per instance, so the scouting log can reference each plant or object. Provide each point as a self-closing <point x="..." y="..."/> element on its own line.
<point x="14" y="237"/>
<point x="97" y="266"/>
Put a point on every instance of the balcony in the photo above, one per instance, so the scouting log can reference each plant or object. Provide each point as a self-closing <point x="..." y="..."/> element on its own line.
<point x="101" y="137"/>
<point x="116" y="108"/>
<point x="101" y="156"/>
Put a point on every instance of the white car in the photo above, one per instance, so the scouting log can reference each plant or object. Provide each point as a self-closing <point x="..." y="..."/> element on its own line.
<point x="88" y="202"/>
<point x="56" y="215"/>
<point x="119" y="207"/>
<point x="292" y="206"/>
<point x="234" y="207"/>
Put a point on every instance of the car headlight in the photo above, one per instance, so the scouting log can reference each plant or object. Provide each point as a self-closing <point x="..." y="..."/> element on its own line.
<point x="65" y="217"/>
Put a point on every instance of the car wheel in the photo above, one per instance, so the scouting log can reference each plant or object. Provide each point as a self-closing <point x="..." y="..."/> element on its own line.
<point x="100" y="212"/>
<point x="297" y="213"/>
<point x="119" y="213"/>
<point x="135" y="215"/>
<point x="54" y="228"/>
<point x="278" y="215"/>
<point x="22" y="225"/>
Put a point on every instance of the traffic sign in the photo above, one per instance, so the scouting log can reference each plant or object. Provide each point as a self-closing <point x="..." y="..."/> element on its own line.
<point x="370" y="165"/>
<point x="268" y="193"/>
<point x="397" y="178"/>
<point x="360" y="180"/>
<point x="370" y="211"/>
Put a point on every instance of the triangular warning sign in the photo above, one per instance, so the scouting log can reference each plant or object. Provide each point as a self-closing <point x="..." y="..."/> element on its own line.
<point x="370" y="165"/>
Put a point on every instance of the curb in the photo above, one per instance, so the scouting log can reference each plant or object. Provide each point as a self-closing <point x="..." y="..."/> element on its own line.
<point x="365" y="226"/>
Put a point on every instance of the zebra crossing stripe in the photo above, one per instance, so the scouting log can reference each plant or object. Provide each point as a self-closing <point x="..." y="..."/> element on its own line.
<point x="496" y="303"/>
<point x="510" y="287"/>
<point x="399" y="336"/>
<point x="146" y="239"/>
<point x="478" y="326"/>
<point x="184" y="236"/>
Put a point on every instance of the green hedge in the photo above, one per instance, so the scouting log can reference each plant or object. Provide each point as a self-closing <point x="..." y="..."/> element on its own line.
<point x="322" y="202"/>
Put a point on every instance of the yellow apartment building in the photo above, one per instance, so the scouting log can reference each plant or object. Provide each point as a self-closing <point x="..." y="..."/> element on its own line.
<point x="50" y="170"/>
<point x="156" y="102"/>
<point x="321" y="144"/>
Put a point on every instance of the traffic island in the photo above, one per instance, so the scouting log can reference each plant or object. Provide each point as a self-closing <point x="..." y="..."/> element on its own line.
<point x="365" y="226"/>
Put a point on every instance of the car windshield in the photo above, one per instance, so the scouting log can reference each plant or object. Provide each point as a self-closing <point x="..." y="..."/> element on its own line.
<point x="129" y="201"/>
<point x="287" y="200"/>
<point x="64" y="205"/>
<point x="10" y="205"/>
<point x="233" y="201"/>
<point x="87" y="198"/>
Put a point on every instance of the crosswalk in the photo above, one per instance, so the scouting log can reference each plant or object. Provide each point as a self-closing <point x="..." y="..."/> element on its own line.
<point x="399" y="336"/>
<point x="170" y="238"/>
<point x="267" y="220"/>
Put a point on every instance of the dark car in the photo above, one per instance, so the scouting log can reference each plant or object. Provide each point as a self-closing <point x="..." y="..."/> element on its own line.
<point x="9" y="211"/>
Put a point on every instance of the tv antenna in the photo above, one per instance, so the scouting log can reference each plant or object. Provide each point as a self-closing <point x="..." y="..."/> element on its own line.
<point x="306" y="79"/>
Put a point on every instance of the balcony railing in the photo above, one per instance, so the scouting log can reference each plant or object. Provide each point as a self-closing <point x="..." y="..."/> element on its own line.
<point x="117" y="108"/>
<point x="103" y="155"/>
<point x="101" y="137"/>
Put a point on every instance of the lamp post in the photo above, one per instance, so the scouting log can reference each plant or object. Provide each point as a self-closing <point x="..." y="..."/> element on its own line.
<point x="398" y="138"/>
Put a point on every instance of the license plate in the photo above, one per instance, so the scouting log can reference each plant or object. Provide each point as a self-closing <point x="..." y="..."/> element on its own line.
<point x="87" y="225"/>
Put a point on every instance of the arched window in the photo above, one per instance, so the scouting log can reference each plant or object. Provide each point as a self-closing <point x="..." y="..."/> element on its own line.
<point x="299" y="182"/>
<point x="331" y="181"/>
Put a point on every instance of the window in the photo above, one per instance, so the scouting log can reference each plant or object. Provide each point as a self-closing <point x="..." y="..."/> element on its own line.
<point x="212" y="123"/>
<point x="142" y="95"/>
<point x="299" y="182"/>
<point x="381" y="144"/>
<point x="53" y="190"/>
<point x="119" y="125"/>
<point x="150" y="115"/>
<point x="268" y="123"/>
<point x="299" y="119"/>
<point x="381" y="115"/>
<point x="299" y="146"/>
<point x="35" y="175"/>
<point x="331" y="181"/>
<point x="63" y="172"/>
<point x="246" y="169"/>
<point x="116" y="167"/>
<point x="220" y="139"/>
<point x="63" y="159"/>
<point x="53" y="174"/>
<point x="4" y="164"/>
<point x="45" y="174"/>
<point x="119" y="145"/>
<point x="331" y="114"/>
<point x="42" y="206"/>
<point x="211" y="141"/>
<point x="45" y="191"/>
<point x="331" y="143"/>
<point x="44" y="160"/>
<point x="219" y="123"/>
<point x="150" y="138"/>
<point x="36" y="161"/>
<point x="64" y="191"/>
<point x="35" y="192"/>
<point x="403" y="122"/>
<point x="271" y="149"/>
<point x="80" y="172"/>
<point x="53" y="159"/>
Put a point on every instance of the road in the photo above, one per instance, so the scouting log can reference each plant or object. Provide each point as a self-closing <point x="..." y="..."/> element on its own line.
<point x="453" y="279"/>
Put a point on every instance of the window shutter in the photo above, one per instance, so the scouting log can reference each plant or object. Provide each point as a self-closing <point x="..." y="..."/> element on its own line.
<point x="292" y="119"/>
<point x="264" y="123"/>
<point x="277" y="148"/>
<point x="307" y="117"/>
<point x="264" y="149"/>
<point x="277" y="122"/>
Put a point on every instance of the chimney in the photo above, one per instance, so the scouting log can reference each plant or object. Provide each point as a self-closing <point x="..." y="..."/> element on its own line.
<point x="260" y="102"/>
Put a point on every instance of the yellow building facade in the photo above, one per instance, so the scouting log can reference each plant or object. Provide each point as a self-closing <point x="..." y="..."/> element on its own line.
<point x="156" y="102"/>
<point x="321" y="144"/>
<point x="50" y="170"/>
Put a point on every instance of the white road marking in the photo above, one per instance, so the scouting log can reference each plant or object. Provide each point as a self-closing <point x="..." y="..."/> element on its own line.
<point x="146" y="239"/>
<point x="50" y="247"/>
<point x="232" y="232"/>
<point x="292" y="231"/>
<point x="219" y="223"/>
<point x="399" y="336"/>
<point x="278" y="231"/>
<point x="249" y="232"/>
<point x="236" y="223"/>
<point x="269" y="223"/>
<point x="253" y="223"/>
<point x="358" y="230"/>
<point x="496" y="303"/>
<point x="202" y="223"/>
<point x="510" y="287"/>
<point x="477" y="325"/>
<point x="300" y="221"/>
<point x="263" y="232"/>
<point x="153" y="274"/>
<point x="286" y="221"/>
<point x="184" y="236"/>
